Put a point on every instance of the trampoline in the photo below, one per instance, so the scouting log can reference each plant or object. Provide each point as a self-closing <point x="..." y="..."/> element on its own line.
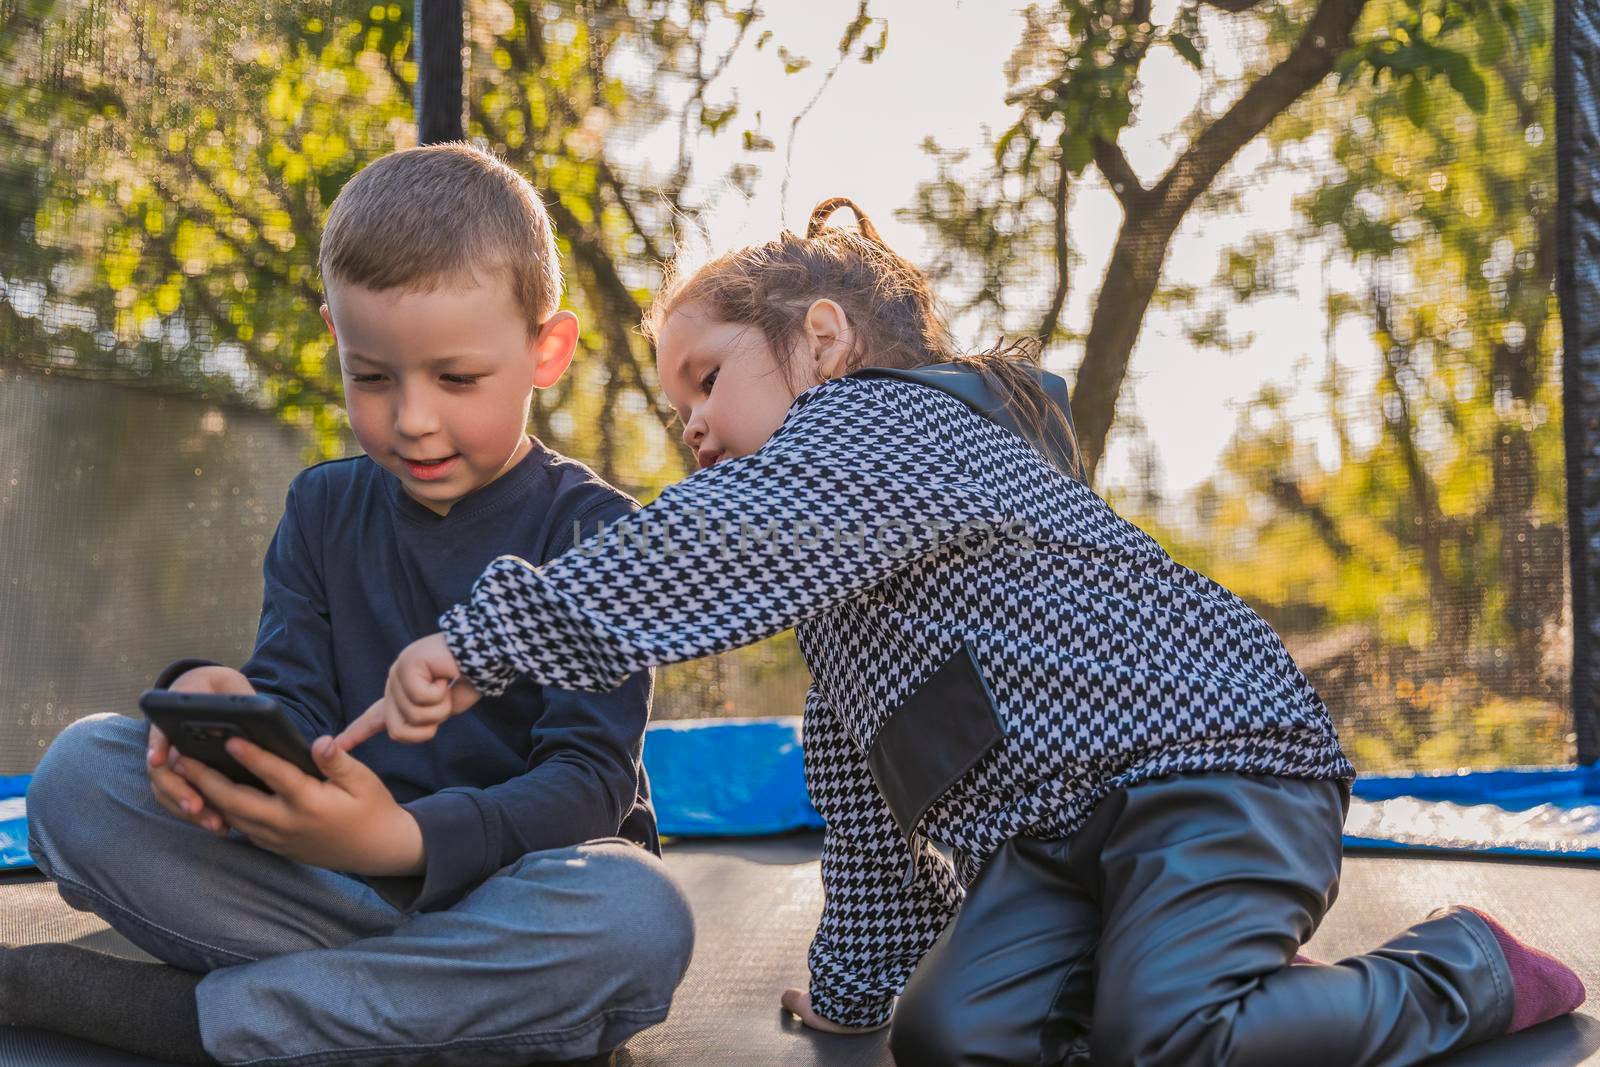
<point x="1524" y="844"/>
<point x="756" y="903"/>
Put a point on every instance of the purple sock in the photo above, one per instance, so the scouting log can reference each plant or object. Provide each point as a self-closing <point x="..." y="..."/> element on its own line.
<point x="1542" y="986"/>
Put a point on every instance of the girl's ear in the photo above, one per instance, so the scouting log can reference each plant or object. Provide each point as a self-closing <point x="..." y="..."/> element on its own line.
<point x="828" y="338"/>
<point x="552" y="348"/>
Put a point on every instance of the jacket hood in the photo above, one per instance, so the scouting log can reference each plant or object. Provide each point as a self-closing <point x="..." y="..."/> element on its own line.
<point x="972" y="388"/>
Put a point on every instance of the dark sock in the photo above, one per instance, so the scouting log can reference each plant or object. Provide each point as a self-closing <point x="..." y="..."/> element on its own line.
<point x="144" y="1008"/>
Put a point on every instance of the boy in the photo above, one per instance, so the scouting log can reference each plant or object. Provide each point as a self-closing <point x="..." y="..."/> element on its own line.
<point x="463" y="901"/>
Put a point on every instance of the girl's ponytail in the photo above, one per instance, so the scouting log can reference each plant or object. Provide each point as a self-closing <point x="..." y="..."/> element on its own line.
<point x="821" y="213"/>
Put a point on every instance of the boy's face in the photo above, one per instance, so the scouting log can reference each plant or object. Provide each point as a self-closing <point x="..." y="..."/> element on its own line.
<point x="438" y="385"/>
<point x="724" y="380"/>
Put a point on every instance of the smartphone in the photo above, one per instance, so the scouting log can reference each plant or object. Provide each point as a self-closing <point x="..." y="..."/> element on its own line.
<point x="198" y="724"/>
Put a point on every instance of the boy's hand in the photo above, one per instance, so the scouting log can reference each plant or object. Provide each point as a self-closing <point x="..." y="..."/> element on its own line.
<point x="348" y="823"/>
<point x="800" y="1003"/>
<point x="425" y="688"/>
<point x="172" y="792"/>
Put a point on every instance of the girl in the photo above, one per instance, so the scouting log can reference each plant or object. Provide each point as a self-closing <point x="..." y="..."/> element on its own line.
<point x="1143" y="794"/>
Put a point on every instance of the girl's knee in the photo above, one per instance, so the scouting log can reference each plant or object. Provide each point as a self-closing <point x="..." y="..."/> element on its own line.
<point x="930" y="1025"/>
<point x="920" y="1034"/>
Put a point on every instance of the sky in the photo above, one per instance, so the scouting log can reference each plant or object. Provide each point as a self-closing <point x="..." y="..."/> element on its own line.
<point x="942" y="76"/>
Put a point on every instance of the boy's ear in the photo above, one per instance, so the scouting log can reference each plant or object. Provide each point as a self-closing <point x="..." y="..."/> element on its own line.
<point x="828" y="337"/>
<point x="553" y="347"/>
<point x="328" y="318"/>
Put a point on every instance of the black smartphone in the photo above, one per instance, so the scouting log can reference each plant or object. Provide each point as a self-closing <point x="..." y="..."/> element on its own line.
<point x="198" y="724"/>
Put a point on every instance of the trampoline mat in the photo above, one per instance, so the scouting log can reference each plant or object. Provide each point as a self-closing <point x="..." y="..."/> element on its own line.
<point x="756" y="903"/>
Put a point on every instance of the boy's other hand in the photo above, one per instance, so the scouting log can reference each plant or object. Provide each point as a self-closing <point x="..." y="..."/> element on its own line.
<point x="348" y="822"/>
<point x="174" y="794"/>
<point x="212" y="678"/>
<point x="425" y="688"/>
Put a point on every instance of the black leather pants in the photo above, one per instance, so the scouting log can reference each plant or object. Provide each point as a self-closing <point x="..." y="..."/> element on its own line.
<point x="1162" y="933"/>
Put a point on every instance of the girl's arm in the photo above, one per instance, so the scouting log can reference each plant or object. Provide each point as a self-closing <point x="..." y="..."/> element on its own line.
<point x="874" y="928"/>
<point x="852" y="488"/>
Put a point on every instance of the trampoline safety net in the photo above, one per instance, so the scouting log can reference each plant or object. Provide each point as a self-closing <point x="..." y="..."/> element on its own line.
<point x="1331" y="378"/>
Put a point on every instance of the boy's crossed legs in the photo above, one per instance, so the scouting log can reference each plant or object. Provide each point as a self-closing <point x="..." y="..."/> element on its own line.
<point x="561" y="955"/>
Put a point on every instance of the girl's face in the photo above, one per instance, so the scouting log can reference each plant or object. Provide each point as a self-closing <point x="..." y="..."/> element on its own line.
<point x="724" y="380"/>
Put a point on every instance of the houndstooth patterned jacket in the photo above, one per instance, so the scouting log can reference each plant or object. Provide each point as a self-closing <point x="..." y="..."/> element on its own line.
<point x="993" y="650"/>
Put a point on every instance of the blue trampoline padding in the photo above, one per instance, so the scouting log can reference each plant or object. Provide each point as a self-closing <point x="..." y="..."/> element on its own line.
<point x="740" y="777"/>
<point x="14" y="822"/>
<point x="746" y="777"/>
<point x="709" y="778"/>
<point x="728" y="777"/>
<point x="1525" y="812"/>
<point x="1522" y="787"/>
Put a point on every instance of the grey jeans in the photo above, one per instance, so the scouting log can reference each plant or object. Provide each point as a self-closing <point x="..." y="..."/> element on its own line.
<point x="1162" y="933"/>
<point x="561" y="955"/>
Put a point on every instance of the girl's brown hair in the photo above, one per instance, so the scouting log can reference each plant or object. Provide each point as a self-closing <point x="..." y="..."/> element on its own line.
<point x="895" y="320"/>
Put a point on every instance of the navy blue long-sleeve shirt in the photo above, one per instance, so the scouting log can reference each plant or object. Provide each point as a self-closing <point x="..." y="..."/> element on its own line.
<point x="356" y="571"/>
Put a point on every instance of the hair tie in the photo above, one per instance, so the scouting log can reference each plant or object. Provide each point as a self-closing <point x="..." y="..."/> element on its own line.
<point x="820" y="213"/>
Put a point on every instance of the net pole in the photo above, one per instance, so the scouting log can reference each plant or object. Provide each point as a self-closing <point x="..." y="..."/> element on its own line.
<point x="1577" y="62"/>
<point x="437" y="43"/>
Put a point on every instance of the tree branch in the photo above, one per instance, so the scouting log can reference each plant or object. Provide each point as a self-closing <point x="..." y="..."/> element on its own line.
<point x="245" y="254"/>
<point x="702" y="79"/>
<point x="621" y="305"/>
<point x="1135" y="267"/>
<point x="1058" y="299"/>
<point x="310" y="388"/>
<point x="1326" y="36"/>
<point x="523" y="57"/>
<point x="1233" y="7"/>
<point x="620" y="193"/>
<point x="788" y="151"/>
<point x="1287" y="492"/>
<point x="1431" y="525"/>
<point x="1119" y="174"/>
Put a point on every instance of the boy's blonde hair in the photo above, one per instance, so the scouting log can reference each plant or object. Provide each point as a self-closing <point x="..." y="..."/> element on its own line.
<point x="440" y="214"/>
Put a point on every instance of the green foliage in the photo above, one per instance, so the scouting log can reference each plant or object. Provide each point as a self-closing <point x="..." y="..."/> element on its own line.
<point x="171" y="193"/>
<point x="167" y="171"/>
<point x="1087" y="58"/>
<point x="1417" y="570"/>
<point x="1440" y="545"/>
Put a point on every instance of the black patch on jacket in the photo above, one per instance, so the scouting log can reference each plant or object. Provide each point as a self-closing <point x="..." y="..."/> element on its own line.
<point x="936" y="735"/>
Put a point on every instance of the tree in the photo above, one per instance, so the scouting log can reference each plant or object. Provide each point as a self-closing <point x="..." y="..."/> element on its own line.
<point x="1075" y="81"/>
<point x="172" y="175"/>
<point x="1479" y="225"/>
<point x="1442" y="541"/>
